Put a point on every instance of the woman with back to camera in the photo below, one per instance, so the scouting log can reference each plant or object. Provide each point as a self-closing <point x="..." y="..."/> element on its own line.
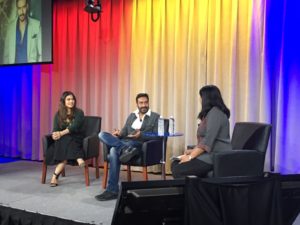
<point x="212" y="136"/>
<point x="67" y="136"/>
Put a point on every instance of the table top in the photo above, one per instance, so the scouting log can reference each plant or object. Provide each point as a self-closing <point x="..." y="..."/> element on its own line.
<point x="154" y="134"/>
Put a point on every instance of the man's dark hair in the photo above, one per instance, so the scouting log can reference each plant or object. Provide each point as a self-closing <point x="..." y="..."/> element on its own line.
<point x="141" y="95"/>
<point x="211" y="97"/>
<point x="27" y="2"/>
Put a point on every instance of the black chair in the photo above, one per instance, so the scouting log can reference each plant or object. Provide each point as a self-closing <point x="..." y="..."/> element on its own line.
<point x="151" y="154"/>
<point x="91" y="128"/>
<point x="249" y="142"/>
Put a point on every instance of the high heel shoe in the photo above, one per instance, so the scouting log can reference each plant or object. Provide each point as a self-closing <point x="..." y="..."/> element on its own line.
<point x="81" y="163"/>
<point x="54" y="184"/>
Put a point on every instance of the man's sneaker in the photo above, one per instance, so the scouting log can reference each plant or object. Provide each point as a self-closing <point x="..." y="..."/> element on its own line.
<point x="128" y="154"/>
<point x="107" y="195"/>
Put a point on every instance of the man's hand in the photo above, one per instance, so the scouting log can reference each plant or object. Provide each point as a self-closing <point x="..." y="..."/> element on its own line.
<point x="116" y="132"/>
<point x="136" y="134"/>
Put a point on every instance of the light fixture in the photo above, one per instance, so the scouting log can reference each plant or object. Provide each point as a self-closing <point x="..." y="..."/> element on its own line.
<point x="93" y="8"/>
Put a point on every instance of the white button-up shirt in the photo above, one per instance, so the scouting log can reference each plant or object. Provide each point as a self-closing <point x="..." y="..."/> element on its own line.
<point x="137" y="124"/>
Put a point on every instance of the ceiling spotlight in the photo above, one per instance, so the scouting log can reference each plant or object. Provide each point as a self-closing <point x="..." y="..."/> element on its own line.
<point x="93" y="8"/>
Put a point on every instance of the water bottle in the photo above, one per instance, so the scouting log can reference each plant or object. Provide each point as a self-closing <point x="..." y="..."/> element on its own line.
<point x="171" y="125"/>
<point x="161" y="128"/>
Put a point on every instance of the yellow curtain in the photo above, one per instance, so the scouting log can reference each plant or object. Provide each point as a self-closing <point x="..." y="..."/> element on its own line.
<point x="179" y="46"/>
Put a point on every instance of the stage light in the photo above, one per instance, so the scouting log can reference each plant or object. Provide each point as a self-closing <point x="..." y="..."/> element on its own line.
<point x="93" y="8"/>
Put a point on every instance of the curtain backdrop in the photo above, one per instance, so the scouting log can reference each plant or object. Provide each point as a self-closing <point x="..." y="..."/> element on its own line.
<point x="169" y="49"/>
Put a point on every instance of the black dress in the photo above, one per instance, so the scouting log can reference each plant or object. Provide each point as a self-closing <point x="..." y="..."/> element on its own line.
<point x="69" y="146"/>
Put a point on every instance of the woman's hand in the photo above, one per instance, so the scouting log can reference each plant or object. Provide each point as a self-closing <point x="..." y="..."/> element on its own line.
<point x="190" y="154"/>
<point x="188" y="151"/>
<point x="185" y="158"/>
<point x="56" y="135"/>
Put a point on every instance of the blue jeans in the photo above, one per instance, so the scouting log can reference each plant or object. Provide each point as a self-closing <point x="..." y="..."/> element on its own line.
<point x="116" y="145"/>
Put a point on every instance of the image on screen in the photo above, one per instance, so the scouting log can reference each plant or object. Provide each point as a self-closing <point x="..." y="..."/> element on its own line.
<point x="25" y="32"/>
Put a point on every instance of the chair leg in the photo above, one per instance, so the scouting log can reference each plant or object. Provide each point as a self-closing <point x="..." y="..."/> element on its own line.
<point x="145" y="174"/>
<point x="44" y="172"/>
<point x="86" y="174"/>
<point x="97" y="166"/>
<point x="128" y="173"/>
<point x="163" y="171"/>
<point x="105" y="173"/>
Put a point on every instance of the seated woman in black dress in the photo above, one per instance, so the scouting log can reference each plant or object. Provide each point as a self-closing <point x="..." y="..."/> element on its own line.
<point x="212" y="136"/>
<point x="67" y="136"/>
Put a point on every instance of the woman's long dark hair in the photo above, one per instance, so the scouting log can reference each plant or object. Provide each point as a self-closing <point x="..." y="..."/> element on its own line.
<point x="211" y="96"/>
<point x="62" y="109"/>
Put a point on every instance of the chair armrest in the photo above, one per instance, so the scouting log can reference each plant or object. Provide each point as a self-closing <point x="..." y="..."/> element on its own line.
<point x="190" y="146"/>
<point x="152" y="151"/>
<point x="91" y="146"/>
<point x="46" y="141"/>
<point x="238" y="163"/>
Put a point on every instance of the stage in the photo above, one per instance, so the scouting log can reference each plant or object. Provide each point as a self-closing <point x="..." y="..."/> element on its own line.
<point x="72" y="200"/>
<point x="21" y="188"/>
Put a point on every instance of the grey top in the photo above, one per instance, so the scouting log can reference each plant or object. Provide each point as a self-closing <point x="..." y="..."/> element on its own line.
<point x="213" y="134"/>
<point x="149" y="125"/>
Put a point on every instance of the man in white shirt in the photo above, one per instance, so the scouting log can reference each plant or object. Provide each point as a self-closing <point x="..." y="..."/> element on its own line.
<point x="125" y="144"/>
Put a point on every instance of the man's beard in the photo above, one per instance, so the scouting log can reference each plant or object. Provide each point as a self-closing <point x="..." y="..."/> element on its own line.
<point x="22" y="17"/>
<point x="143" y="110"/>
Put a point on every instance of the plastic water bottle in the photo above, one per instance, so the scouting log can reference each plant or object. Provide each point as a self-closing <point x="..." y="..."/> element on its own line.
<point x="161" y="128"/>
<point x="171" y="125"/>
